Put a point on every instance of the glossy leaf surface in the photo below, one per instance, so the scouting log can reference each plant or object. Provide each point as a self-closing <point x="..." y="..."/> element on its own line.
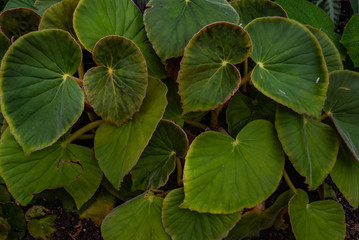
<point x="290" y="72"/>
<point x="218" y="165"/>
<point x="119" y="148"/>
<point x="36" y="85"/>
<point x="208" y="76"/>
<point x="350" y="38"/>
<point x="186" y="224"/>
<point x="171" y="24"/>
<point x="117" y="88"/>
<point x="321" y="220"/>
<point x="138" y="218"/>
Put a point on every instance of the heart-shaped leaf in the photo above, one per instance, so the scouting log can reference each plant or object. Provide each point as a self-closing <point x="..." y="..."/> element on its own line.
<point x="19" y="21"/>
<point x="183" y="223"/>
<point x="290" y="72"/>
<point x="20" y="3"/>
<point x="119" y="148"/>
<point x="350" y="38"/>
<point x="157" y="161"/>
<point x="208" y="76"/>
<point x="171" y="24"/>
<point x="43" y="5"/>
<point x="320" y="220"/>
<point x="218" y="165"/>
<point x="50" y="168"/>
<point x="117" y="88"/>
<point x="342" y="105"/>
<point x="122" y="19"/>
<point x="138" y="218"/>
<point x="345" y="175"/>
<point x="311" y="146"/>
<point x="4" y="45"/>
<point x="249" y="10"/>
<point x="36" y="85"/>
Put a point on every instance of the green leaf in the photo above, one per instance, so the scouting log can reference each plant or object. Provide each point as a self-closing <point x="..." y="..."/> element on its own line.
<point x="249" y="10"/>
<point x="331" y="7"/>
<point x="185" y="224"/>
<point x="4" y="45"/>
<point x="350" y="38"/>
<point x="307" y="13"/>
<point x="321" y="220"/>
<point x="19" y="21"/>
<point x="355" y="5"/>
<point x="174" y="107"/>
<point x="117" y="88"/>
<point x="242" y="110"/>
<point x="171" y="24"/>
<point x="157" y="161"/>
<point x="4" y="228"/>
<point x="43" y="5"/>
<point x="138" y="218"/>
<point x="60" y="16"/>
<point x="84" y="187"/>
<point x="290" y="72"/>
<point x="36" y="85"/>
<point x="335" y="37"/>
<point x="330" y="52"/>
<point x="14" y="215"/>
<point x="345" y="175"/>
<point x="208" y="75"/>
<point x="50" y="168"/>
<point x="43" y="227"/>
<point x="123" y="19"/>
<point x="254" y="221"/>
<point x="20" y="3"/>
<point x="218" y="165"/>
<point x="311" y="146"/>
<point x="4" y="195"/>
<point x="342" y="105"/>
<point x="119" y="148"/>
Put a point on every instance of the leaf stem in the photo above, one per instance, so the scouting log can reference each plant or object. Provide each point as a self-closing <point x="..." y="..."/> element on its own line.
<point x="81" y="70"/>
<point x="179" y="172"/>
<point x="214" y="116"/>
<point x="195" y="124"/>
<point x="245" y="71"/>
<point x="82" y="131"/>
<point x="289" y="182"/>
<point x="78" y="81"/>
<point x="245" y="79"/>
<point x="324" y="116"/>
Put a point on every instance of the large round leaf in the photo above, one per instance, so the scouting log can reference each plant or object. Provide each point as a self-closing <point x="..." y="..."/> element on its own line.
<point x="49" y="168"/>
<point x="224" y="175"/>
<point x="350" y="38"/>
<point x="249" y="10"/>
<point x="95" y="19"/>
<point x="208" y="76"/>
<point x="311" y="146"/>
<point x="320" y="220"/>
<point x="157" y="161"/>
<point x="4" y="44"/>
<point x="345" y="175"/>
<point x="117" y="88"/>
<point x="171" y="24"/>
<point x="138" y="218"/>
<point x="36" y="85"/>
<point x="291" y="72"/>
<point x="342" y="105"/>
<point x="119" y="148"/>
<point x="184" y="224"/>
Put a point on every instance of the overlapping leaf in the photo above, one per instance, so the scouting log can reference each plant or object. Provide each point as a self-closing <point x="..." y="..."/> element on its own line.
<point x="171" y="24"/>
<point x="4" y="44"/>
<point x="350" y="38"/>
<point x="43" y="5"/>
<point x="218" y="165"/>
<point x="184" y="224"/>
<point x="117" y="88"/>
<point x="119" y="148"/>
<point x="290" y="72"/>
<point x="20" y="3"/>
<point x="208" y="76"/>
<point x="36" y="85"/>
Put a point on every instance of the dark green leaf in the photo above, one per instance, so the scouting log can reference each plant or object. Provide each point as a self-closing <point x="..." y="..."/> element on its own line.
<point x="4" y="45"/>
<point x="350" y="38"/>
<point x="43" y="5"/>
<point x="20" y="3"/>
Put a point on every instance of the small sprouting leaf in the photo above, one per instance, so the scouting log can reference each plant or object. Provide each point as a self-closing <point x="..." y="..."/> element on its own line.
<point x="290" y="72"/>
<point x="183" y="223"/>
<point x="208" y="75"/>
<point x="171" y="24"/>
<point x="138" y="218"/>
<point x="249" y="10"/>
<point x="157" y="161"/>
<point x="20" y="3"/>
<point x="342" y="105"/>
<point x="122" y="19"/>
<point x="119" y="148"/>
<point x="218" y="165"/>
<point x="43" y="5"/>
<point x="345" y="175"/>
<point x="321" y="220"/>
<point x="43" y="227"/>
<point x="19" y="21"/>
<point x="60" y="16"/>
<point x="36" y="85"/>
<point x="311" y="146"/>
<point x="4" y="45"/>
<point x="350" y="38"/>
